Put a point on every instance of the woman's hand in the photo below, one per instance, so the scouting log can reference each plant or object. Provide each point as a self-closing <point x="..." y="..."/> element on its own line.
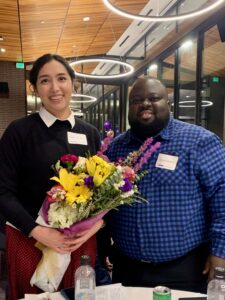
<point x="50" y="237"/>
<point x="74" y="242"/>
<point x="61" y="243"/>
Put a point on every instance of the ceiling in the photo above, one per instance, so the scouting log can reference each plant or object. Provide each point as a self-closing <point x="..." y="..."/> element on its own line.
<point x="31" y="28"/>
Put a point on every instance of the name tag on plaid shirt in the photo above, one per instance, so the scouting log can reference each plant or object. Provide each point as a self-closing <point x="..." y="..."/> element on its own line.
<point x="166" y="161"/>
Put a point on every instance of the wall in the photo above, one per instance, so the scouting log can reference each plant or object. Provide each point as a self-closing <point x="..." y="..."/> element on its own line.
<point x="13" y="107"/>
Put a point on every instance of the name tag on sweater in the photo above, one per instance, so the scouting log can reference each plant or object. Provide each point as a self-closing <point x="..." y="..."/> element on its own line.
<point x="76" y="138"/>
<point x="166" y="161"/>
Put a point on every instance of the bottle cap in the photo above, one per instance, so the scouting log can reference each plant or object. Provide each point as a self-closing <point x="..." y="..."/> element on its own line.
<point x="85" y="260"/>
<point x="219" y="272"/>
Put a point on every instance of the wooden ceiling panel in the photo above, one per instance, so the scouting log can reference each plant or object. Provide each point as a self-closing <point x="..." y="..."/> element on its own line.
<point x="31" y="6"/>
<point x="131" y="6"/>
<point x="9" y="30"/>
<point x="87" y="7"/>
<point x="57" y="26"/>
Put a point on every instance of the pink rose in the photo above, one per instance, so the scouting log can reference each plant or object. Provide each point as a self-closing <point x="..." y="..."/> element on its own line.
<point x="56" y="193"/>
<point x="129" y="173"/>
<point x="69" y="158"/>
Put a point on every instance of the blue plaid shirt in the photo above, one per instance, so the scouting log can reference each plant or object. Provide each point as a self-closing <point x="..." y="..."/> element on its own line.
<point x="186" y="207"/>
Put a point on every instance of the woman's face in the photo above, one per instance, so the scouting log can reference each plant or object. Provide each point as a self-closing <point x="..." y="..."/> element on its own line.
<point x="54" y="87"/>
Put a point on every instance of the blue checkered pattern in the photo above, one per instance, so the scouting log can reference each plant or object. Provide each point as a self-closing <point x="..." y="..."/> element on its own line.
<point x="185" y="208"/>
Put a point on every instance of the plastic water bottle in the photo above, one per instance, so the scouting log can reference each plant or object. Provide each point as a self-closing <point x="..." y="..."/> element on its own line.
<point x="216" y="287"/>
<point x="85" y="280"/>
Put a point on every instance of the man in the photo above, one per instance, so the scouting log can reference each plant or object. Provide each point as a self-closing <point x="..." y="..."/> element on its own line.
<point x="177" y="238"/>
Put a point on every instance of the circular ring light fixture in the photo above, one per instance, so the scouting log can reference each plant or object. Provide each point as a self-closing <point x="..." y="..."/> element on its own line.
<point x="105" y="60"/>
<point x="88" y="98"/>
<point x="205" y="103"/>
<point x="191" y="14"/>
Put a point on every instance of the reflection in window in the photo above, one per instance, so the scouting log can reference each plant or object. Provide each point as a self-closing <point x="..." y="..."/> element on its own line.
<point x="117" y="113"/>
<point x="168" y="77"/>
<point x="187" y="80"/>
<point x="152" y="70"/>
<point x="100" y="118"/>
<point x="111" y="109"/>
<point x="33" y="104"/>
<point x="106" y="110"/>
<point x="213" y="81"/>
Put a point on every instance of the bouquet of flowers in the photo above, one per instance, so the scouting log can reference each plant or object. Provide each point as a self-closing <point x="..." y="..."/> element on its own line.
<point x="85" y="190"/>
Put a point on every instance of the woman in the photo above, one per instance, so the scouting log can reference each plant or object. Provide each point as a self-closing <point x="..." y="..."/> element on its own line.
<point x="28" y="148"/>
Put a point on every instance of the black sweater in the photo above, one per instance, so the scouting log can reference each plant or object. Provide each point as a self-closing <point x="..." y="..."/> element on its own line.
<point x="28" y="148"/>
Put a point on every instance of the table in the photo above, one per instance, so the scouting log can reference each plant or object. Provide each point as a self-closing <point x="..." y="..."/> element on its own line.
<point x="115" y="292"/>
<point x="136" y="293"/>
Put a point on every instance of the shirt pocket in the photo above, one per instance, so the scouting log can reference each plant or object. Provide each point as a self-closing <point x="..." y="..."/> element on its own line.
<point x="182" y="175"/>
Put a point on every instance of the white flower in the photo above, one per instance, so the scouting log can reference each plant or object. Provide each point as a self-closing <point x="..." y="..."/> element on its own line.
<point x="81" y="163"/>
<point x="119" y="169"/>
<point x="127" y="194"/>
<point x="60" y="215"/>
<point x="118" y="185"/>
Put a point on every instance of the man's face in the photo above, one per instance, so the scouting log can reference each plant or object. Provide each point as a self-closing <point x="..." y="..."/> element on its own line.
<point x="148" y="107"/>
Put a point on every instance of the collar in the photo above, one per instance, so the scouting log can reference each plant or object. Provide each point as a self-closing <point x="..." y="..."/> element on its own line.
<point x="50" y="119"/>
<point x="165" y="134"/>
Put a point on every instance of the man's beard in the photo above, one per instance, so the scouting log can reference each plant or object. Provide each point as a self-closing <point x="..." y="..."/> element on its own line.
<point x="143" y="131"/>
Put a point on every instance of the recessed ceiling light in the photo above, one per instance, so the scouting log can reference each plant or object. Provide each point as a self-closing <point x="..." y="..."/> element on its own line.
<point x="86" y="19"/>
<point x="3" y="50"/>
<point x="166" y="27"/>
<point x="153" y="67"/>
<point x="186" y="44"/>
<point x="42" y="22"/>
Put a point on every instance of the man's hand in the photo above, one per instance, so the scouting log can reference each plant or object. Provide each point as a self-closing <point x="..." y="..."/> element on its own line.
<point x="211" y="263"/>
<point x="108" y="264"/>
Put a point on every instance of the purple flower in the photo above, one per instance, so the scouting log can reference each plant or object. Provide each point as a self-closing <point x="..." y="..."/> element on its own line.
<point x="145" y="157"/>
<point x="127" y="186"/>
<point x="88" y="181"/>
<point x="117" y="131"/>
<point x="105" y="143"/>
<point x="107" y="126"/>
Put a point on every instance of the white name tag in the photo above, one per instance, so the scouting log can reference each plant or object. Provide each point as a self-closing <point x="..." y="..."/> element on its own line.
<point x="76" y="138"/>
<point x="166" y="161"/>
